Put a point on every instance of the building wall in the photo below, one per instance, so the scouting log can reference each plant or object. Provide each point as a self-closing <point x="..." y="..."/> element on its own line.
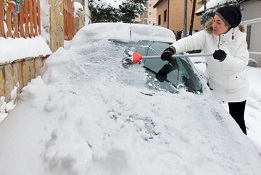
<point x="160" y="14"/>
<point x="176" y="15"/>
<point x="149" y="15"/>
<point x="152" y="13"/>
<point x="251" y="10"/>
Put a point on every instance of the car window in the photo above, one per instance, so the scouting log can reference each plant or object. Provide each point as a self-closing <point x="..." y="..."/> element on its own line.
<point x="182" y="74"/>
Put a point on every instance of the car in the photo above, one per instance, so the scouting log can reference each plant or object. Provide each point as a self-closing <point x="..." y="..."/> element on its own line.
<point x="95" y="111"/>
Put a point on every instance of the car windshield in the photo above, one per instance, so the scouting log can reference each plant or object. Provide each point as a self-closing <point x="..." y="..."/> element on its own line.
<point x="181" y="73"/>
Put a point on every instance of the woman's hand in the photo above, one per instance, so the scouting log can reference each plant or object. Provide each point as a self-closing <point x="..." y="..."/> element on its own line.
<point x="220" y="55"/>
<point x="167" y="54"/>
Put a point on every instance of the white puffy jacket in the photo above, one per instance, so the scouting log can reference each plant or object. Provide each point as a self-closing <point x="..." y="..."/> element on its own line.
<point x="227" y="79"/>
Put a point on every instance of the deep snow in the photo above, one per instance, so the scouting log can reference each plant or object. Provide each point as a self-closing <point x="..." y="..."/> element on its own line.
<point x="64" y="125"/>
<point x="62" y="144"/>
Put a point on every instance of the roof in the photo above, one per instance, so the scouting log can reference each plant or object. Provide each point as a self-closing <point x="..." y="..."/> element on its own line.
<point x="157" y="3"/>
<point x="241" y="1"/>
<point x="212" y="4"/>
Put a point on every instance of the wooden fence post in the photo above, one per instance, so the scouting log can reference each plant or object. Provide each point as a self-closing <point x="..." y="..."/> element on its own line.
<point x="56" y="24"/>
<point x="1" y="18"/>
<point x="39" y="17"/>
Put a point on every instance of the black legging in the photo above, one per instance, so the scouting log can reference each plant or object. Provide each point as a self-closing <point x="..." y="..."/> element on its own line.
<point x="237" y="110"/>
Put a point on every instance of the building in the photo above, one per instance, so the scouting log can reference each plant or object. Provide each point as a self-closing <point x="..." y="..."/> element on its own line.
<point x="252" y="17"/>
<point x="149" y="15"/>
<point x="170" y="14"/>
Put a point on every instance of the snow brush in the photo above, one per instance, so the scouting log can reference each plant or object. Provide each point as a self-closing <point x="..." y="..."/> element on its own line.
<point x="135" y="57"/>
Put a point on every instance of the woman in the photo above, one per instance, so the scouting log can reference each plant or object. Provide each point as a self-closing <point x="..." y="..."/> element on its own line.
<point x="225" y="70"/>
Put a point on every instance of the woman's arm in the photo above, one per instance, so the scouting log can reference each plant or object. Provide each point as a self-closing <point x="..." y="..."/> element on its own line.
<point x="188" y="43"/>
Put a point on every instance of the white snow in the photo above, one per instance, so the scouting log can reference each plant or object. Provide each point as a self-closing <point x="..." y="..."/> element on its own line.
<point x="112" y="3"/>
<point x="53" y="131"/>
<point x="19" y="48"/>
<point x="49" y="131"/>
<point x="77" y="7"/>
<point x="213" y="3"/>
<point x="119" y="31"/>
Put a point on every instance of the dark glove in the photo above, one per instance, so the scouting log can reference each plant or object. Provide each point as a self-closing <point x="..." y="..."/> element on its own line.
<point x="163" y="72"/>
<point x="167" y="54"/>
<point x="220" y="55"/>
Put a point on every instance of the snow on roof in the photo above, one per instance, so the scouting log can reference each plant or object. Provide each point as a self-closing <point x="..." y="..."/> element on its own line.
<point x="213" y="3"/>
<point x="126" y="32"/>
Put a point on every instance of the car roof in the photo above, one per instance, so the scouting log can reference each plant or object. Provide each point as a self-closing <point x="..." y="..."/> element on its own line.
<point x="126" y="32"/>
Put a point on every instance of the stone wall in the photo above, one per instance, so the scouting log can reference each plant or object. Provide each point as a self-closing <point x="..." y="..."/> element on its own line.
<point x="18" y="73"/>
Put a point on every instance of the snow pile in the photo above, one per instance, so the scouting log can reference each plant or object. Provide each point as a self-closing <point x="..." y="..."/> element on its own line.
<point x="19" y="48"/>
<point x="77" y="7"/>
<point x="92" y="117"/>
<point x="124" y="32"/>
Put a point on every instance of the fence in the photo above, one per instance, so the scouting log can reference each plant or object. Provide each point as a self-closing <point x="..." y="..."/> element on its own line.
<point x="68" y="16"/>
<point x="21" y="18"/>
<point x="57" y="33"/>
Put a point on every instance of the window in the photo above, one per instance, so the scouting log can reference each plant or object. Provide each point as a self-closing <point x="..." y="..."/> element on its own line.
<point x="165" y="15"/>
<point x="159" y="19"/>
<point x="149" y="13"/>
<point x="248" y="36"/>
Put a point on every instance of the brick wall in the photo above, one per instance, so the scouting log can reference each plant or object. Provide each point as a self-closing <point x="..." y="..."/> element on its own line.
<point x="160" y="12"/>
<point x="176" y="15"/>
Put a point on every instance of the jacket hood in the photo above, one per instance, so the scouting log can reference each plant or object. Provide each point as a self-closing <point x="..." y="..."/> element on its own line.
<point x="208" y="26"/>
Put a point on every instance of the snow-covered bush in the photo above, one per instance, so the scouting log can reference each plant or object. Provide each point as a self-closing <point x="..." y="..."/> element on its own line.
<point x="124" y="11"/>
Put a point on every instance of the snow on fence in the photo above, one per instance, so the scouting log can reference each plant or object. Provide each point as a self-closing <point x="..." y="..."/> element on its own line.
<point x="21" y="18"/>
